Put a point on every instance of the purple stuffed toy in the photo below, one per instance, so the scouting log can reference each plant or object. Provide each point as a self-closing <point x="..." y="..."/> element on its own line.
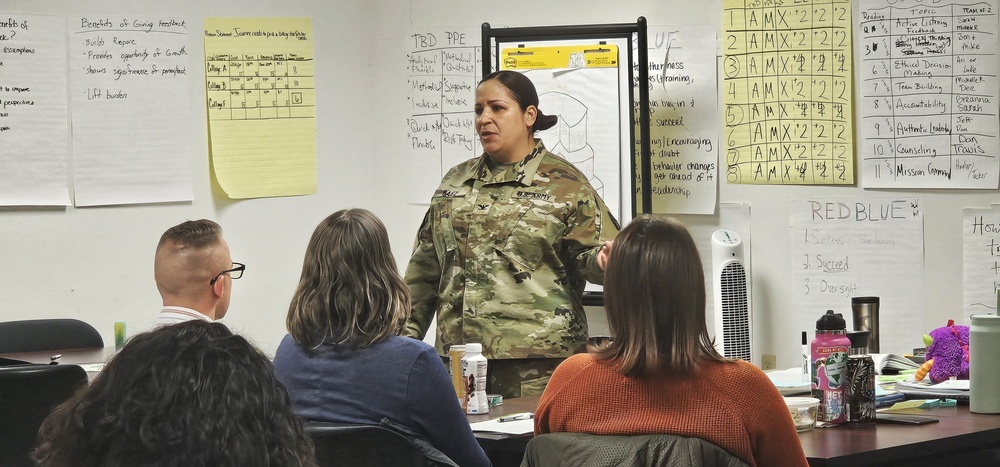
<point x="948" y="347"/>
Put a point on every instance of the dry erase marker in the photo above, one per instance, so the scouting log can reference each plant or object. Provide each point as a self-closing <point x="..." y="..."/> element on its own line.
<point x="520" y="416"/>
<point x="805" y="359"/>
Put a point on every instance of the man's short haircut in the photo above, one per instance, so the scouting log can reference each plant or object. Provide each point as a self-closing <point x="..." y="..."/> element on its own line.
<point x="194" y="234"/>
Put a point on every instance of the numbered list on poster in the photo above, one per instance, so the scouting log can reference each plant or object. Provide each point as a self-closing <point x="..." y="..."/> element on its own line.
<point x="929" y="94"/>
<point x="850" y="247"/>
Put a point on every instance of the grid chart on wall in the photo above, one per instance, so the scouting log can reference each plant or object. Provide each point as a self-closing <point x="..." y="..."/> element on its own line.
<point x="260" y="87"/>
<point x="787" y="90"/>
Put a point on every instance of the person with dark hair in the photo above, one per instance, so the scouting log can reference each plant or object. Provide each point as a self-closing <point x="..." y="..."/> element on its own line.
<point x="661" y="373"/>
<point x="194" y="271"/>
<point x="508" y="244"/>
<point x="343" y="360"/>
<point x="190" y="394"/>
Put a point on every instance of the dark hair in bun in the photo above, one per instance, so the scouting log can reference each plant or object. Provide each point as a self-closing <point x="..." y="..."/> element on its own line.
<point x="523" y="91"/>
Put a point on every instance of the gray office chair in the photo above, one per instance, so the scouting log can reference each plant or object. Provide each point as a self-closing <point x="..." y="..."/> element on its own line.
<point x="27" y="394"/>
<point x="587" y="450"/>
<point x="350" y="445"/>
<point x="47" y="334"/>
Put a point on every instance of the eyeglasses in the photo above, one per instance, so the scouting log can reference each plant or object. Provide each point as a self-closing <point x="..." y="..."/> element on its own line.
<point x="236" y="272"/>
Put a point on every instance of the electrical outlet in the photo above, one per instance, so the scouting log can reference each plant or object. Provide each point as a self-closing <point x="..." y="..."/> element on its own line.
<point x="767" y="362"/>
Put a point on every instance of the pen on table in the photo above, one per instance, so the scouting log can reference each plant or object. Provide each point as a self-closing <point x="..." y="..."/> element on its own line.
<point x="520" y="416"/>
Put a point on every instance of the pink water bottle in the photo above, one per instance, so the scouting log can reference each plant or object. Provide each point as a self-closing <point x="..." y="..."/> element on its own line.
<point x="829" y="367"/>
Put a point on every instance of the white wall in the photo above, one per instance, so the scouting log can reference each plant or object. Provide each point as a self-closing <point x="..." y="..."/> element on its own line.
<point x="96" y="263"/>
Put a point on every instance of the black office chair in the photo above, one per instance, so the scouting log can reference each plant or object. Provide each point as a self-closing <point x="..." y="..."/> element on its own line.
<point x="27" y="394"/>
<point x="587" y="450"/>
<point x="349" y="445"/>
<point x="47" y="334"/>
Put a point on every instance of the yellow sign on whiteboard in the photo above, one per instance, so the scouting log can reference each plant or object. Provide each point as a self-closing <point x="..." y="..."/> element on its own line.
<point x="572" y="56"/>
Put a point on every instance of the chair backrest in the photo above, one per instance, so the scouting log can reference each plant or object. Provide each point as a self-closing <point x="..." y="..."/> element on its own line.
<point x="27" y="394"/>
<point x="47" y="334"/>
<point x="371" y="445"/>
<point x="587" y="450"/>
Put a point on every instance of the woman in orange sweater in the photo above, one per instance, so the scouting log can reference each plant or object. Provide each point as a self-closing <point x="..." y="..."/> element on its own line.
<point x="661" y="373"/>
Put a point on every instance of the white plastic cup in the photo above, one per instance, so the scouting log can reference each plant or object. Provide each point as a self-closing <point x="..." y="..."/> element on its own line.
<point x="984" y="372"/>
<point x="804" y="411"/>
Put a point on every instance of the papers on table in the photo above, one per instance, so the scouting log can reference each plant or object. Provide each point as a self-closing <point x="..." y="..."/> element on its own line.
<point x="893" y="362"/>
<point x="789" y="381"/>
<point x="513" y="427"/>
<point x="955" y="389"/>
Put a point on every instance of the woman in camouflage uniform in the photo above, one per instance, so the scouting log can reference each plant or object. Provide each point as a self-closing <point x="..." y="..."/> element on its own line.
<point x="509" y="241"/>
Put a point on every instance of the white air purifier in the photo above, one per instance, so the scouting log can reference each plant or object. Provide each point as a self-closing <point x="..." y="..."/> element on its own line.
<point x="731" y="282"/>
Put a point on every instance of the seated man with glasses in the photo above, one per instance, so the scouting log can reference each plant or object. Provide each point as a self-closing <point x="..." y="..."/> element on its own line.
<point x="194" y="272"/>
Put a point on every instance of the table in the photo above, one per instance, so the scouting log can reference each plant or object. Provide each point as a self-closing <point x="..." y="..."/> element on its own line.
<point x="91" y="359"/>
<point x="77" y="356"/>
<point x="959" y="436"/>
<point x="505" y="450"/>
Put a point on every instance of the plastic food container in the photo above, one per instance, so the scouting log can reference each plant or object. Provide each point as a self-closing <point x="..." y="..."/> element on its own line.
<point x="803" y="411"/>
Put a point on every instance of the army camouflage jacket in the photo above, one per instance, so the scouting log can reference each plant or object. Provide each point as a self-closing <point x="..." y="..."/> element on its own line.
<point x="503" y="260"/>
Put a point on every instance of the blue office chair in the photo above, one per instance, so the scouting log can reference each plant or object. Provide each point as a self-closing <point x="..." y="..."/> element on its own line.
<point x="587" y="450"/>
<point x="350" y="445"/>
<point x="27" y="394"/>
<point x="47" y="334"/>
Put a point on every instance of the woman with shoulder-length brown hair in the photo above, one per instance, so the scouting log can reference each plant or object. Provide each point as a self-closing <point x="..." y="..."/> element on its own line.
<point x="661" y="373"/>
<point x="343" y="360"/>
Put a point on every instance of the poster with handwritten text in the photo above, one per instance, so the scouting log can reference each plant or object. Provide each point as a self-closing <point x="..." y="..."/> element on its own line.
<point x="133" y="121"/>
<point x="261" y="102"/>
<point x="981" y="265"/>
<point x="787" y="91"/>
<point x="443" y="67"/>
<point x="684" y="119"/>
<point x="865" y="246"/>
<point x="929" y="94"/>
<point x="34" y="130"/>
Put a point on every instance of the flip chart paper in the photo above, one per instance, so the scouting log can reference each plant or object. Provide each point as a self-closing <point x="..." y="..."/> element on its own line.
<point x="981" y="253"/>
<point x="929" y="94"/>
<point x="34" y="130"/>
<point x="684" y="118"/>
<point x="443" y="67"/>
<point x="787" y="92"/>
<point x="133" y="125"/>
<point x="261" y="105"/>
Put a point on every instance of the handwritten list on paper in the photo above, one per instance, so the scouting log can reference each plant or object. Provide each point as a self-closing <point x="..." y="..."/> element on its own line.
<point x="261" y="105"/>
<point x="850" y="247"/>
<point x="683" y="119"/>
<point x="443" y="68"/>
<point x="132" y="114"/>
<point x="981" y="253"/>
<point x="787" y="92"/>
<point x="929" y="94"/>
<point x="34" y="153"/>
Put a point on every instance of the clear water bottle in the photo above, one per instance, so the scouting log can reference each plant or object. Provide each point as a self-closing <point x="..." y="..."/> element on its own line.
<point x="474" y="372"/>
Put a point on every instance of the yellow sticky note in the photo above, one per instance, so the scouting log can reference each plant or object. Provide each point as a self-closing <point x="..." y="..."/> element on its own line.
<point x="261" y="103"/>
<point x="909" y="404"/>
